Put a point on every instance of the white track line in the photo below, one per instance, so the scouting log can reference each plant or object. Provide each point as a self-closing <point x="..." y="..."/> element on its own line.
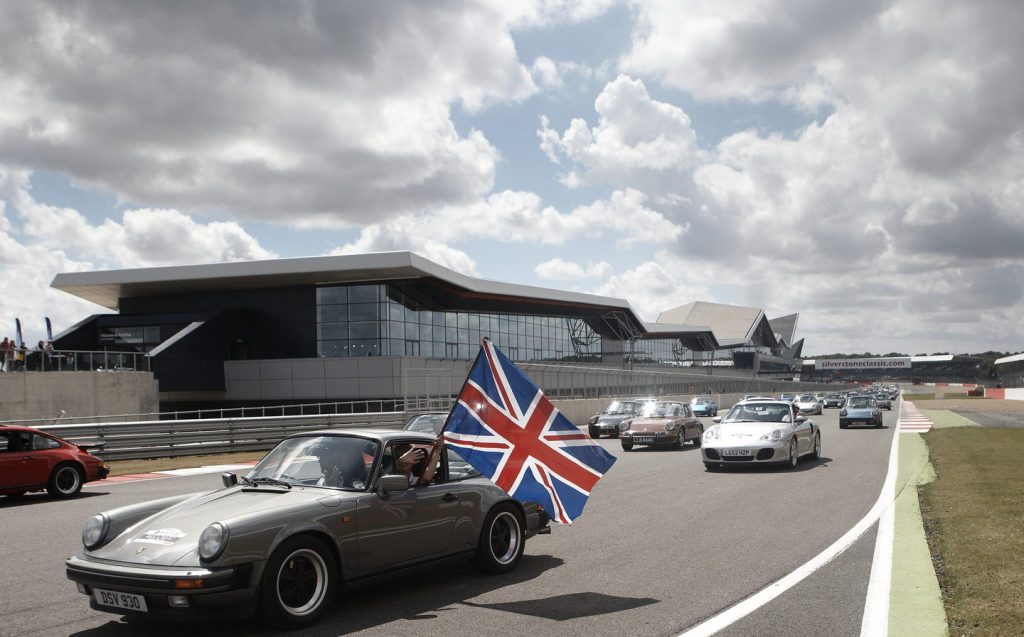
<point x="741" y="609"/>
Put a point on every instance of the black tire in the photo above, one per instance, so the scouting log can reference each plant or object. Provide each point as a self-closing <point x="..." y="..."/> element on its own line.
<point x="697" y="440"/>
<point x="626" y="446"/>
<point x="65" y="481"/>
<point x="502" y="540"/>
<point x="299" y="582"/>
<point x="878" y="425"/>
<point x="712" y="466"/>
<point x="843" y="425"/>
<point x="816" y="454"/>
<point x="595" y="432"/>
<point x="681" y="440"/>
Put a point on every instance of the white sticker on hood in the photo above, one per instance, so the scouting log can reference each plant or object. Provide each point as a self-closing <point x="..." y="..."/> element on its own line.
<point x="165" y="537"/>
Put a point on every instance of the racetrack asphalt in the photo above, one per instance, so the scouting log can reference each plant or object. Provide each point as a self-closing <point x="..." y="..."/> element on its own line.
<point x="662" y="545"/>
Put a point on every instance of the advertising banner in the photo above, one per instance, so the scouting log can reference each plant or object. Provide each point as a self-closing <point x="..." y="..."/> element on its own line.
<point x="902" y="362"/>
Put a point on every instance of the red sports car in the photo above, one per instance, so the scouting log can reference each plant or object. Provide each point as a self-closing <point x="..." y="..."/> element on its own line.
<point x="32" y="460"/>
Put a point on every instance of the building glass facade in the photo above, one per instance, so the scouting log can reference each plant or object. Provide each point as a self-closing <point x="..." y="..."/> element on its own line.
<point x="380" y="320"/>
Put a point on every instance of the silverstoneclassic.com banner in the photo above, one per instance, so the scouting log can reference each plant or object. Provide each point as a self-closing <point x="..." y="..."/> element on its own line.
<point x="902" y="362"/>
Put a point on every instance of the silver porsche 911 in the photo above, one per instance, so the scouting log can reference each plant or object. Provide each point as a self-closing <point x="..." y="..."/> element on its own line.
<point x="759" y="432"/>
<point x="321" y="511"/>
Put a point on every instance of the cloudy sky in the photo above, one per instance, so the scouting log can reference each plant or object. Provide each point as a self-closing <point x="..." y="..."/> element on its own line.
<point x="861" y="163"/>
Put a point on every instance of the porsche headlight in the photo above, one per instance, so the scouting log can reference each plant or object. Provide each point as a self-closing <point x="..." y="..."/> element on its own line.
<point x="711" y="434"/>
<point x="672" y="426"/>
<point x="876" y="412"/>
<point x="624" y="425"/>
<point x="842" y="412"/>
<point x="95" y="531"/>
<point x="775" y="436"/>
<point x="593" y="420"/>
<point x="212" y="541"/>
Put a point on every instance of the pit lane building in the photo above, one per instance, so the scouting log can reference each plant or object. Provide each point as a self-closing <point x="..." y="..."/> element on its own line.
<point x="357" y="326"/>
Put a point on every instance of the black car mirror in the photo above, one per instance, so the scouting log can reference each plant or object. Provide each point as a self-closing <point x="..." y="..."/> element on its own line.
<point x="393" y="483"/>
<point x="229" y="479"/>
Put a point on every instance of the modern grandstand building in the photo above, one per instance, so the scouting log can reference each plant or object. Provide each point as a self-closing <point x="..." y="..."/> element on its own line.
<point x="1011" y="370"/>
<point x="353" y="326"/>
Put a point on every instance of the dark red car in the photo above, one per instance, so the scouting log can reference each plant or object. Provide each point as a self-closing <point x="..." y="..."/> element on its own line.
<point x="32" y="460"/>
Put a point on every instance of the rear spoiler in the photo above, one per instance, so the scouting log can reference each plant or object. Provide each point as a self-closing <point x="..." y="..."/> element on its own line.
<point x="94" y="446"/>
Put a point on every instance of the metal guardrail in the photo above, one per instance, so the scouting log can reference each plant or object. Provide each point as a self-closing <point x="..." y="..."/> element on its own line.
<point x="173" y="438"/>
<point x="281" y="411"/>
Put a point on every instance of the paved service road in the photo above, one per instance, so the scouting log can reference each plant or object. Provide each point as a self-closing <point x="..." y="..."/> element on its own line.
<point x="662" y="545"/>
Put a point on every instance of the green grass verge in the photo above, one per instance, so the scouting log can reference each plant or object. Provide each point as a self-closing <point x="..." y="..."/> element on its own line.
<point x="974" y="516"/>
<point x="914" y="397"/>
<point x="943" y="418"/>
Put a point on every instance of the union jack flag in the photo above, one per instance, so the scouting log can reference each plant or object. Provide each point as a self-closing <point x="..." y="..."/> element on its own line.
<point x="505" y="426"/>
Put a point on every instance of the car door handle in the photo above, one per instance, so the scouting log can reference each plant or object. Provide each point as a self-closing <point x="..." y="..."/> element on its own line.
<point x="449" y="497"/>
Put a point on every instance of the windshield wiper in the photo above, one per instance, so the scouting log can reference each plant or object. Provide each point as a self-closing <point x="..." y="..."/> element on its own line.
<point x="273" y="481"/>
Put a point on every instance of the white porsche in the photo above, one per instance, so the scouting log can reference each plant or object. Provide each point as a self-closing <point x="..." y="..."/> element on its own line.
<point x="760" y="432"/>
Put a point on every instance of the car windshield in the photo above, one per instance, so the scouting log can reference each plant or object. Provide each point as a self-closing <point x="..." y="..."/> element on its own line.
<point x="341" y="462"/>
<point x="758" y="412"/>
<point x="427" y="423"/>
<point x="857" y="401"/>
<point x="807" y="399"/>
<point x="617" y="407"/>
<point x="703" y="400"/>
<point x="832" y="396"/>
<point x="661" y="409"/>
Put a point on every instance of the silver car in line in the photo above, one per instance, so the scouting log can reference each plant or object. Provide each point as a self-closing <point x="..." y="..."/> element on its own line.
<point x="760" y="432"/>
<point x="322" y="511"/>
<point x="860" y="410"/>
<point x="808" y="404"/>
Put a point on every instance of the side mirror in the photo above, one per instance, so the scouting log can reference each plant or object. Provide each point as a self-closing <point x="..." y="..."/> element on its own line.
<point x="229" y="479"/>
<point x="393" y="483"/>
<point x="801" y="418"/>
<point x="716" y="419"/>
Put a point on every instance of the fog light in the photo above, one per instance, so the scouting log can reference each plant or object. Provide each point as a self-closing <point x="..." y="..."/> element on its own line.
<point x="177" y="601"/>
<point x="82" y="589"/>
<point x="188" y="583"/>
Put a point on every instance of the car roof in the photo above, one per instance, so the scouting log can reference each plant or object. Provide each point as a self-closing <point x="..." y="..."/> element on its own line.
<point x="383" y="435"/>
<point x="22" y="428"/>
<point x="765" y="401"/>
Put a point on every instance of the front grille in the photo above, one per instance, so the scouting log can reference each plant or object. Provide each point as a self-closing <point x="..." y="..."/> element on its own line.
<point x="765" y="454"/>
<point x="738" y="458"/>
<point x="713" y="454"/>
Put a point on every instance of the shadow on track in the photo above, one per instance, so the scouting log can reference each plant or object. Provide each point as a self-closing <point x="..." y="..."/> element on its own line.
<point x="424" y="596"/>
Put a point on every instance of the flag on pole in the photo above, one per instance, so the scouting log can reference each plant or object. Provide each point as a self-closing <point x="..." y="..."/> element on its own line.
<point x="505" y="426"/>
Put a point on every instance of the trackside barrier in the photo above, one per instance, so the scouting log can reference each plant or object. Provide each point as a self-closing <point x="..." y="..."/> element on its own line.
<point x="173" y="438"/>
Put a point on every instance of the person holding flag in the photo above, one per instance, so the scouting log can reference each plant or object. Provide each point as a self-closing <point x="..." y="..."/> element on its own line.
<point x="506" y="428"/>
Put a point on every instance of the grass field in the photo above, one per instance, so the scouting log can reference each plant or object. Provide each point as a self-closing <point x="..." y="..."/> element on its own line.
<point x="974" y="518"/>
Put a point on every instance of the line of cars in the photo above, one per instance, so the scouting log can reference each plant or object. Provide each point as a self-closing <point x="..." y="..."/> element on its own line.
<point x="283" y="542"/>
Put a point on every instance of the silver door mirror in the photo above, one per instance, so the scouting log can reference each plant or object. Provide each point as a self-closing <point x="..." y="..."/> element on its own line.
<point x="229" y="479"/>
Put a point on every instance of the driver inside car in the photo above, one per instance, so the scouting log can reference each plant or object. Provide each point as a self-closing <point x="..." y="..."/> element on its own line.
<point x="342" y="465"/>
<point x="417" y="462"/>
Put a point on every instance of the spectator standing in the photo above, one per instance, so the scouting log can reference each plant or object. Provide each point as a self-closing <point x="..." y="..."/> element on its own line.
<point x="48" y="355"/>
<point x="19" y="356"/>
<point x="6" y="354"/>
